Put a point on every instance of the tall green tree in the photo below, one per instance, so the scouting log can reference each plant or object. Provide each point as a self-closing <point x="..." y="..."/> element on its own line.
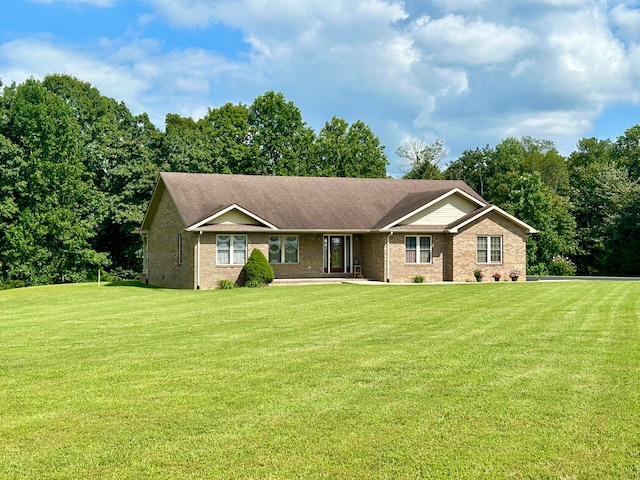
<point x="279" y="141"/>
<point x="121" y="153"/>
<point x="534" y="202"/>
<point x="50" y="212"/>
<point x="344" y="150"/>
<point x="227" y="128"/>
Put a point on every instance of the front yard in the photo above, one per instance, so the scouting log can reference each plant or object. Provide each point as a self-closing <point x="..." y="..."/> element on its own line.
<point x="499" y="380"/>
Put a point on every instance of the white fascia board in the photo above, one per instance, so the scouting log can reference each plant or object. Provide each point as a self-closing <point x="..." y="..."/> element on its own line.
<point x="196" y="226"/>
<point x="433" y="202"/>
<point x="498" y="210"/>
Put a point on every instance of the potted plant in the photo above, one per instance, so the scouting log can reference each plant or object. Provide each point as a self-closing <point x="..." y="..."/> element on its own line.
<point x="514" y="274"/>
<point x="478" y="274"/>
<point x="496" y="276"/>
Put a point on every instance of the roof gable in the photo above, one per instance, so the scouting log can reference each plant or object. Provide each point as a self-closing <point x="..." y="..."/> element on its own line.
<point x="438" y="208"/>
<point x="233" y="215"/>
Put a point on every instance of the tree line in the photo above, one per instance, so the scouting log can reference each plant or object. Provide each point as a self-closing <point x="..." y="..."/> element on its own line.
<point x="77" y="170"/>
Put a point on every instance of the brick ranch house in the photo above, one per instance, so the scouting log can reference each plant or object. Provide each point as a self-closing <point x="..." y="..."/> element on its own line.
<point x="200" y="228"/>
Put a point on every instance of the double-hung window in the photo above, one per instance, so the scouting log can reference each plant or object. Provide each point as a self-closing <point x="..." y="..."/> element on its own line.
<point x="231" y="249"/>
<point x="283" y="249"/>
<point x="489" y="249"/>
<point x="418" y="249"/>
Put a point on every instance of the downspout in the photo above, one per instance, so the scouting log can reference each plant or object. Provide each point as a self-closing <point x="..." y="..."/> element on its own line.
<point x="198" y="262"/>
<point x="388" y="263"/>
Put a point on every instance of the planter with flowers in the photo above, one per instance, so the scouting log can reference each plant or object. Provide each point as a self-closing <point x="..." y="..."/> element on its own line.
<point x="478" y="274"/>
<point x="514" y="274"/>
<point x="496" y="276"/>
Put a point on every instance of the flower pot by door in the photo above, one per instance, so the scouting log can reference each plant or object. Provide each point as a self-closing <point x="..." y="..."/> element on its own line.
<point x="497" y="279"/>
<point x="514" y="279"/>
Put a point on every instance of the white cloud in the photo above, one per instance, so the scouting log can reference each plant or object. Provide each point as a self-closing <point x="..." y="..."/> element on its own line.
<point x="457" y="39"/>
<point x="589" y="60"/>
<point x="627" y="21"/>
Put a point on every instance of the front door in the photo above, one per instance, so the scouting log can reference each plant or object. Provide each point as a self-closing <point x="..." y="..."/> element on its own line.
<point x="336" y="254"/>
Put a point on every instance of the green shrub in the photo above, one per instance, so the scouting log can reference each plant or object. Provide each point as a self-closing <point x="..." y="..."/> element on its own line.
<point x="226" y="284"/>
<point x="418" y="279"/>
<point x="562" y="266"/>
<point x="257" y="271"/>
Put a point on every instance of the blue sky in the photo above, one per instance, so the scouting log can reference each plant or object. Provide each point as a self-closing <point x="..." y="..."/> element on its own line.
<point x="466" y="72"/>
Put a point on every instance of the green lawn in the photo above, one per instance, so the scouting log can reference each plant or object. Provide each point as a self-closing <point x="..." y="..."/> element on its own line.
<point x="538" y="380"/>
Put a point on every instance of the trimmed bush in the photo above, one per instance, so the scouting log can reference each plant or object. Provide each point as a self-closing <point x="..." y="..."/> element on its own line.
<point x="418" y="279"/>
<point x="257" y="271"/>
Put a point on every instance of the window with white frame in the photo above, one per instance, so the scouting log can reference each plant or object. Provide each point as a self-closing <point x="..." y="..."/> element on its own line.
<point x="489" y="249"/>
<point x="179" y="249"/>
<point x="283" y="249"/>
<point x="418" y="249"/>
<point x="231" y="249"/>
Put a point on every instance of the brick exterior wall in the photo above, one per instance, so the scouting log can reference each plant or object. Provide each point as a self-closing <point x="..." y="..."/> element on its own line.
<point x="310" y="256"/>
<point x="400" y="271"/>
<point x="514" y="249"/>
<point x="372" y="256"/>
<point x="162" y="247"/>
<point x="453" y="256"/>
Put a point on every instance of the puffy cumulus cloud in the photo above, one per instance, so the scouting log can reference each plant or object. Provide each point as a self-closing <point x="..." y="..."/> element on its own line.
<point x="455" y="39"/>
<point x="585" y="58"/>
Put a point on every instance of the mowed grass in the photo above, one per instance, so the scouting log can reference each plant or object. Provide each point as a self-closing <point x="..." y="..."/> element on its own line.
<point x="484" y="380"/>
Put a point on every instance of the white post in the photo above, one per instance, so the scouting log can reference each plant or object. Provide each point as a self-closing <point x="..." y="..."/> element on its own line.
<point x="98" y="277"/>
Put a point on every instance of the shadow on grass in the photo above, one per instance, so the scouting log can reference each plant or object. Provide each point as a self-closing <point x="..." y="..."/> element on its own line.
<point x="130" y="283"/>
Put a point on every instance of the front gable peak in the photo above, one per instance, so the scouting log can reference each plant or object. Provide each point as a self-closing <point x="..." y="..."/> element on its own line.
<point x="232" y="215"/>
<point x="431" y="210"/>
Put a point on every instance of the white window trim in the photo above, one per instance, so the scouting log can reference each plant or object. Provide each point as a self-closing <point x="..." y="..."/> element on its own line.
<point x="418" y="262"/>
<point x="231" y="249"/>
<point x="180" y="250"/>
<point x="489" y="262"/>
<point x="282" y="250"/>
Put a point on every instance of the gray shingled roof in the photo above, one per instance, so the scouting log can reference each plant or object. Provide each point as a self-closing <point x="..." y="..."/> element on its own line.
<point x="304" y="203"/>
